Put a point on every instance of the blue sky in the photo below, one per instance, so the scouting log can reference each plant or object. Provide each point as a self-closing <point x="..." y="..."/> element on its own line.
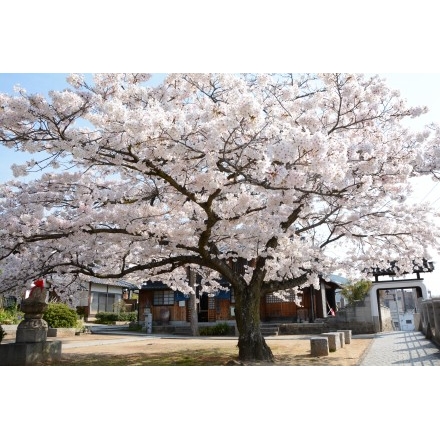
<point x="417" y="88"/>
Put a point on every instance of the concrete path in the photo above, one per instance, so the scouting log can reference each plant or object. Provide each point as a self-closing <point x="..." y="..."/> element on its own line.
<point x="401" y="348"/>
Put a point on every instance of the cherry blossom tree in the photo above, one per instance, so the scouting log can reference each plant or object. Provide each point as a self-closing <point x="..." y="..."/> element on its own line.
<point x="299" y="175"/>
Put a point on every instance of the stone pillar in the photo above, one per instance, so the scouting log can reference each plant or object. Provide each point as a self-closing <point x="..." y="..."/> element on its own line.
<point x="374" y="307"/>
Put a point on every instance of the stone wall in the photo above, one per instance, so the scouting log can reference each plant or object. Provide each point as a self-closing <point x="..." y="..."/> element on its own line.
<point x="430" y="319"/>
<point x="360" y="311"/>
<point x="329" y="324"/>
<point x="61" y="332"/>
<point x="11" y="331"/>
<point x="356" y="317"/>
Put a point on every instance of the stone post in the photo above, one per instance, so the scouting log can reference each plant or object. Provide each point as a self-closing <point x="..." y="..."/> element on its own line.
<point x="319" y="346"/>
<point x="334" y="340"/>
<point x="347" y="336"/>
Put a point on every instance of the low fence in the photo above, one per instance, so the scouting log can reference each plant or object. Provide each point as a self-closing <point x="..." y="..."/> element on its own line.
<point x="430" y="319"/>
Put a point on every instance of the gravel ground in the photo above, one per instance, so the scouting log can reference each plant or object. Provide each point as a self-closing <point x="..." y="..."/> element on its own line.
<point x="288" y="350"/>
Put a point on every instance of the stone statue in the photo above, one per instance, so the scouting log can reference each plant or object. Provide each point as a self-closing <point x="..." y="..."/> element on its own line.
<point x="31" y="346"/>
<point x="33" y="328"/>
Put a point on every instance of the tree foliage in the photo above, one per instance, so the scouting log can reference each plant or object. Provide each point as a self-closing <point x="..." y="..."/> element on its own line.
<point x="356" y="291"/>
<point x="299" y="175"/>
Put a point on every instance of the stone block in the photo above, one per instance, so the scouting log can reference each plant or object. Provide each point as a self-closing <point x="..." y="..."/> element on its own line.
<point x="347" y="336"/>
<point x="32" y="330"/>
<point x="334" y="340"/>
<point x="341" y="338"/>
<point x="29" y="353"/>
<point x="24" y="335"/>
<point x="319" y="346"/>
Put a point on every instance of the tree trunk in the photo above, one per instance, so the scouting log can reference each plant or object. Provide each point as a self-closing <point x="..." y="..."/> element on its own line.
<point x="251" y="344"/>
<point x="193" y="316"/>
<point x="193" y="320"/>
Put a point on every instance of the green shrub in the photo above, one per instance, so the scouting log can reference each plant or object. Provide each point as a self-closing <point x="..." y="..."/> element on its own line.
<point x="80" y="327"/>
<point x="11" y="315"/>
<point x="111" y="317"/>
<point x="59" y="315"/>
<point x="134" y="327"/>
<point x="106" y="317"/>
<point x="127" y="316"/>
<point x="220" y="329"/>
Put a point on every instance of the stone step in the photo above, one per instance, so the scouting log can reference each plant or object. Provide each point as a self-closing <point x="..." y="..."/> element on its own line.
<point x="269" y="329"/>
<point x="182" y="331"/>
<point x="105" y="328"/>
<point x="266" y="330"/>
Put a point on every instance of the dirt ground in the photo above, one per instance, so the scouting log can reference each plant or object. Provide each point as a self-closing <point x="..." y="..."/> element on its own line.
<point x="102" y="350"/>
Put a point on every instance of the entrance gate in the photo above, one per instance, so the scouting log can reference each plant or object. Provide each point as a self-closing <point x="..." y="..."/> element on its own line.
<point x="382" y="292"/>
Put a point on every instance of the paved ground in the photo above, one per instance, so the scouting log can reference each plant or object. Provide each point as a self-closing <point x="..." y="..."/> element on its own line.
<point x="401" y="348"/>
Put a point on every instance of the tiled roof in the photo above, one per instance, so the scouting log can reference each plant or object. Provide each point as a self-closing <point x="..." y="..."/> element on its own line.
<point x="114" y="282"/>
<point x="338" y="279"/>
<point x="152" y="285"/>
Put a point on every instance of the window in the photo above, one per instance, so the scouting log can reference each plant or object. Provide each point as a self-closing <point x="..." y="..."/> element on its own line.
<point x="211" y="303"/>
<point x="271" y="298"/>
<point x="163" y="298"/>
<point x="103" y="302"/>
